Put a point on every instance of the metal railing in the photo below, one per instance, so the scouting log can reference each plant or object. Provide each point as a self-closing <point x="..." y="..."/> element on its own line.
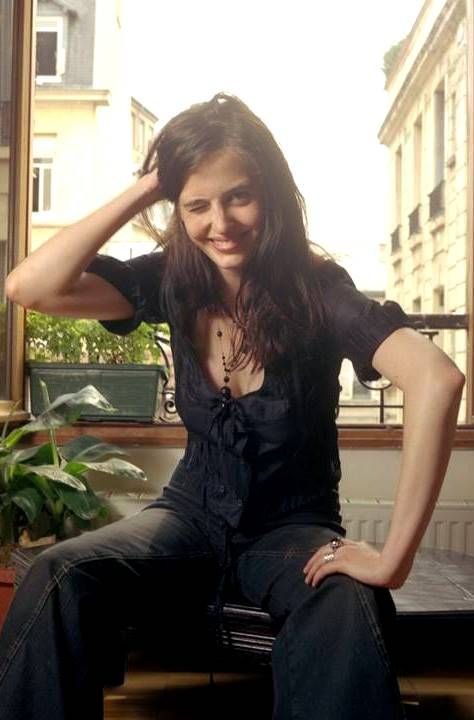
<point x="427" y="324"/>
<point x="437" y="203"/>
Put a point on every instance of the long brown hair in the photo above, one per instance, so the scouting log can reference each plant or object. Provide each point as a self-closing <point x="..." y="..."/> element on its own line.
<point x="278" y="301"/>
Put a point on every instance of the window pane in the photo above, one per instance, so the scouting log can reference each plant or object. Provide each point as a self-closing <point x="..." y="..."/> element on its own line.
<point x="46" y="53"/>
<point x="36" y="173"/>
<point x="47" y="189"/>
<point x="6" y="9"/>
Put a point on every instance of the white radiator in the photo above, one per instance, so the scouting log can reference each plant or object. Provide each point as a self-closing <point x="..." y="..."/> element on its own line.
<point x="451" y="526"/>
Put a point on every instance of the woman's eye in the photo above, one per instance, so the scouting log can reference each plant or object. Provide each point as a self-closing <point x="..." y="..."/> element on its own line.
<point x="197" y="208"/>
<point x="240" y="196"/>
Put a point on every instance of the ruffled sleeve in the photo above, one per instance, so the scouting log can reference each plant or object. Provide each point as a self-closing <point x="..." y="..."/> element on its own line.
<point x="357" y="323"/>
<point x="139" y="280"/>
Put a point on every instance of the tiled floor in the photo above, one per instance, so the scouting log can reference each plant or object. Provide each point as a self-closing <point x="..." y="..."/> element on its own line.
<point x="155" y="695"/>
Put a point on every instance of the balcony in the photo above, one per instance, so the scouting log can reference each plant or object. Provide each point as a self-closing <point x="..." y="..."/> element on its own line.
<point x="395" y="239"/>
<point x="414" y="221"/>
<point x="437" y="202"/>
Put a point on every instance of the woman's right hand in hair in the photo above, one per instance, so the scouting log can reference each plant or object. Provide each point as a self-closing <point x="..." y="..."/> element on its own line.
<point x="150" y="182"/>
<point x="52" y="278"/>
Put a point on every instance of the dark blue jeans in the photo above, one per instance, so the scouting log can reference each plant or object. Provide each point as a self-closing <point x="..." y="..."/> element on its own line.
<point x="61" y="643"/>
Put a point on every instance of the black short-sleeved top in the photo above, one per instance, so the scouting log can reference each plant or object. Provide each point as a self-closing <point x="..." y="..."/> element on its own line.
<point x="245" y="461"/>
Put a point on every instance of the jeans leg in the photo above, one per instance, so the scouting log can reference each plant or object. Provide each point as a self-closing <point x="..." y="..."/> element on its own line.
<point x="330" y="659"/>
<point x="65" y="622"/>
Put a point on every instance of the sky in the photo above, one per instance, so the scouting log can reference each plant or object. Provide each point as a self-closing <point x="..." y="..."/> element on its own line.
<point x="312" y="71"/>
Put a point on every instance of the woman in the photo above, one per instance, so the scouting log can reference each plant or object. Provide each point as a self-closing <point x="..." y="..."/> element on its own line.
<point x="259" y="327"/>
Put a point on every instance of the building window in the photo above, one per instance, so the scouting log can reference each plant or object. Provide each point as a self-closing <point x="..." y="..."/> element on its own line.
<point x="439" y="300"/>
<point x="439" y="150"/>
<point x="42" y="172"/>
<point x="398" y="186"/>
<point x="417" y="305"/>
<point x="417" y="160"/>
<point x="49" y="49"/>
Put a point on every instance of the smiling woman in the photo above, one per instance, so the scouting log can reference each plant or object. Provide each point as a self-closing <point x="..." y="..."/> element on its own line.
<point x="259" y="327"/>
<point x="221" y="209"/>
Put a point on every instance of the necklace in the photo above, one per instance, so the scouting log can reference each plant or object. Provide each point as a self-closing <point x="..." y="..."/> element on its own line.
<point x="226" y="392"/>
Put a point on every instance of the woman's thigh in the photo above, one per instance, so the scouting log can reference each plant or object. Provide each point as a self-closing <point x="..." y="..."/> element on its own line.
<point x="268" y="570"/>
<point x="132" y="569"/>
<point x="269" y="573"/>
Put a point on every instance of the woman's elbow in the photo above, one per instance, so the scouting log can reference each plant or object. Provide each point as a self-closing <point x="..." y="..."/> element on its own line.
<point x="14" y="292"/>
<point x="449" y="379"/>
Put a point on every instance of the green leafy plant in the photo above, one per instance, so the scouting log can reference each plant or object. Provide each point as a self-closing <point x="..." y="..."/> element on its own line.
<point x="58" y="339"/>
<point x="42" y="486"/>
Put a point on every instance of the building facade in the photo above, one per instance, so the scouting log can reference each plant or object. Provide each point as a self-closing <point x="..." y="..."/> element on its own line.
<point x="426" y="132"/>
<point x="86" y="145"/>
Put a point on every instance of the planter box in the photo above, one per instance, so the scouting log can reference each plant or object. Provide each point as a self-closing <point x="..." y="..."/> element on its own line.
<point x="7" y="588"/>
<point x="135" y="390"/>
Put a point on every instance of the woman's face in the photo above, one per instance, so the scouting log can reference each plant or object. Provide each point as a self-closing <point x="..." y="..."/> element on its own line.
<point x="221" y="208"/>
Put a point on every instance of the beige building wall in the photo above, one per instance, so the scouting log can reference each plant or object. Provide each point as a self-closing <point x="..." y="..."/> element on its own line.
<point x="88" y="135"/>
<point x="426" y="133"/>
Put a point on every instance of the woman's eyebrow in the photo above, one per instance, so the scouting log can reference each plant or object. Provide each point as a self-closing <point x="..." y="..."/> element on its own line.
<point x="244" y="185"/>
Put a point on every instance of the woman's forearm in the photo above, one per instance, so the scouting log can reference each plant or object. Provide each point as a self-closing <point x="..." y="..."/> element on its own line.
<point x="431" y="410"/>
<point x="55" y="267"/>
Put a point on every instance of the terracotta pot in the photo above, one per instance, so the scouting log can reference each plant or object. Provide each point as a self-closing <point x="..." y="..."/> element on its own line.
<point x="7" y="581"/>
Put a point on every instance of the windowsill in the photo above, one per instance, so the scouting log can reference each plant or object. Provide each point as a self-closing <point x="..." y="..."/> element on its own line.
<point x="174" y="436"/>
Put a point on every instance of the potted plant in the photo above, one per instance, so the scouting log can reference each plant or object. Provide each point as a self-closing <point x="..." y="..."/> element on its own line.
<point x="44" y="490"/>
<point x="68" y="354"/>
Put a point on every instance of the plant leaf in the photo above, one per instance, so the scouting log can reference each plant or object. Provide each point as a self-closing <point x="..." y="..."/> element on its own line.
<point x="20" y="456"/>
<point x="87" y="396"/>
<point x="51" y="472"/>
<point x="86" y="505"/>
<point x="118" y="467"/>
<point x="87" y="448"/>
<point x="30" y="501"/>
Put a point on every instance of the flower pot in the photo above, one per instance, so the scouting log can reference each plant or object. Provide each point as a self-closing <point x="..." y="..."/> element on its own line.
<point x="7" y="588"/>
<point x="135" y="390"/>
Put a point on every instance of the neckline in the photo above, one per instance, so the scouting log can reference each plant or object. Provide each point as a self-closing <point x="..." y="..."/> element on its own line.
<point x="216" y="392"/>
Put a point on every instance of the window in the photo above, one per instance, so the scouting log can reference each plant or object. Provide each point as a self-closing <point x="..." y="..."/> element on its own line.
<point x="439" y="113"/>
<point x="445" y="101"/>
<point x="417" y="161"/>
<point x="398" y="187"/>
<point x="49" y="49"/>
<point x="42" y="170"/>
<point x="438" y="300"/>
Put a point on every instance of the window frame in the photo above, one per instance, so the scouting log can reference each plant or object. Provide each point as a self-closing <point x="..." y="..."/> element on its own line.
<point x="470" y="208"/>
<point x="59" y="30"/>
<point x="20" y="182"/>
<point x="20" y="223"/>
<point x="42" y="165"/>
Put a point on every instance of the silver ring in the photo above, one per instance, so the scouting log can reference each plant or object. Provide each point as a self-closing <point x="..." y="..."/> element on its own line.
<point x="336" y="543"/>
<point x="328" y="557"/>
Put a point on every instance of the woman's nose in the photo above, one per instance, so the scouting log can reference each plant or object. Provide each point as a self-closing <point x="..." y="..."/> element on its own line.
<point x="221" y="219"/>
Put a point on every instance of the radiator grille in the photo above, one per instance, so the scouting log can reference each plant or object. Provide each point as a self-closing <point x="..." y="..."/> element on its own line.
<point x="451" y="526"/>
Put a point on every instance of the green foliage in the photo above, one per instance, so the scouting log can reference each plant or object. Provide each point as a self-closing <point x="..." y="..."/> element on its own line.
<point x="58" y="339"/>
<point x="43" y="486"/>
<point x="390" y="57"/>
